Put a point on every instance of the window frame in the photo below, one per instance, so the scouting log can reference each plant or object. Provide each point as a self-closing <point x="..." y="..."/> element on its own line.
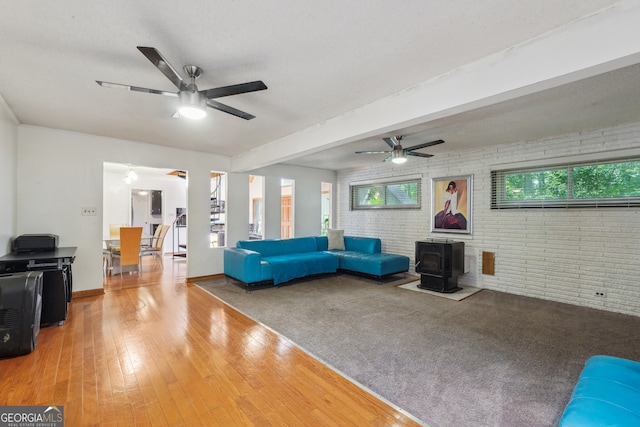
<point x="384" y="184"/>
<point x="499" y="191"/>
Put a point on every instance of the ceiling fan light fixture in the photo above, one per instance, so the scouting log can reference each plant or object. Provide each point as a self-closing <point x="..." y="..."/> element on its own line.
<point x="192" y="105"/>
<point x="192" y="112"/>
<point x="398" y="156"/>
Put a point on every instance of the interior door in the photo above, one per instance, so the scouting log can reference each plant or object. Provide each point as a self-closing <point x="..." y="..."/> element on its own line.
<point x="285" y="215"/>
<point x="141" y="210"/>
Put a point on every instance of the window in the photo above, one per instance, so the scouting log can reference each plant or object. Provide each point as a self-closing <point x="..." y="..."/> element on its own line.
<point x="256" y="207"/>
<point x="593" y="184"/>
<point x="387" y="195"/>
<point x="217" y="213"/>
<point x="325" y="202"/>
<point x="286" y="208"/>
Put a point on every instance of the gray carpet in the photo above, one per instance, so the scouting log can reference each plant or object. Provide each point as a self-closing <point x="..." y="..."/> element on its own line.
<point x="492" y="359"/>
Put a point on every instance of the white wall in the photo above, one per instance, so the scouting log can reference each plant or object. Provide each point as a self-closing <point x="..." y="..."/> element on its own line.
<point x="60" y="172"/>
<point x="8" y="157"/>
<point x="307" y="198"/>
<point x="564" y="255"/>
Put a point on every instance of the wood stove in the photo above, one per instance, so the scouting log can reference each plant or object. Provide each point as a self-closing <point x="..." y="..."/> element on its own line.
<point x="439" y="263"/>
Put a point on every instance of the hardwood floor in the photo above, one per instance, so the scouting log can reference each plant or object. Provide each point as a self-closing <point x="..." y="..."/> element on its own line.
<point x="154" y="350"/>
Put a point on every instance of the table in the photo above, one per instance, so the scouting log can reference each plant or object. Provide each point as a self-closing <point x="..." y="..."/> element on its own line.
<point x="57" y="283"/>
<point x="145" y="241"/>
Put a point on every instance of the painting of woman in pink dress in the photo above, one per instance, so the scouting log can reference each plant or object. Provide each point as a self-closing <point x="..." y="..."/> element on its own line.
<point x="453" y="204"/>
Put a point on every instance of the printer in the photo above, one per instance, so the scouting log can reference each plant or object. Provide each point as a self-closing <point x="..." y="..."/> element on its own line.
<point x="35" y="243"/>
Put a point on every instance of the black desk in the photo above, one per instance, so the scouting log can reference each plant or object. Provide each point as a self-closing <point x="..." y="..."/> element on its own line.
<point x="57" y="284"/>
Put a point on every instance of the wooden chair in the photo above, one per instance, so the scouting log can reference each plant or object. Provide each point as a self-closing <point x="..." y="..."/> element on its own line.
<point x="128" y="254"/>
<point x="114" y="231"/>
<point x="154" y="240"/>
<point x="156" y="248"/>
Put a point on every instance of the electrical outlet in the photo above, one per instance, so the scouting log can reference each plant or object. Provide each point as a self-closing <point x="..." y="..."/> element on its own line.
<point x="600" y="294"/>
<point x="88" y="211"/>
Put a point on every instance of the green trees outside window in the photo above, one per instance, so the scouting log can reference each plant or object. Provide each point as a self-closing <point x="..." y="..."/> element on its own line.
<point x="611" y="183"/>
<point x="389" y="195"/>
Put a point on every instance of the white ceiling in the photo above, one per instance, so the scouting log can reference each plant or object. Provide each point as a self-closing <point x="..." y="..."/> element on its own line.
<point x="323" y="62"/>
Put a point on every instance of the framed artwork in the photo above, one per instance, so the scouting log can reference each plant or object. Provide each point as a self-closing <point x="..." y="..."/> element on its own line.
<point x="451" y="203"/>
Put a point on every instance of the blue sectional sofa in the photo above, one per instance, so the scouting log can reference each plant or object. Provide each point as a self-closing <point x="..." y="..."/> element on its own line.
<point x="607" y="394"/>
<point x="281" y="260"/>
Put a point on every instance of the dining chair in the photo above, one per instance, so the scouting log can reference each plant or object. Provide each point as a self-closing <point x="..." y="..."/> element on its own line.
<point x="114" y="236"/>
<point x="128" y="254"/>
<point x="156" y="249"/>
<point x="114" y="231"/>
<point x="153" y="241"/>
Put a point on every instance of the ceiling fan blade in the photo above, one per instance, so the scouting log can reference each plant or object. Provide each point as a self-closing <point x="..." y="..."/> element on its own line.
<point x="164" y="66"/>
<point x="219" y="92"/>
<point x="391" y="141"/>
<point x="135" y="88"/>
<point x="388" y="159"/>
<point x="372" y="152"/>
<point x="230" y="110"/>
<point x="410" y="153"/>
<point x="426" y="144"/>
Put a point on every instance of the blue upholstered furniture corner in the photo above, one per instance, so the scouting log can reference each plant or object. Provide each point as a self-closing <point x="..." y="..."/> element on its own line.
<point x="364" y="255"/>
<point x="607" y="394"/>
<point x="282" y="260"/>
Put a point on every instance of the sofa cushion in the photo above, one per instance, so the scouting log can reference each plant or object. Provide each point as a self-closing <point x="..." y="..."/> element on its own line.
<point x="336" y="239"/>
<point x="275" y="247"/>
<point x="367" y="245"/>
<point x="293" y="266"/>
<point x="322" y="243"/>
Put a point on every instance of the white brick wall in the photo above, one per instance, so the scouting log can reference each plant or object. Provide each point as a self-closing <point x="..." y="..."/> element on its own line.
<point x="565" y="255"/>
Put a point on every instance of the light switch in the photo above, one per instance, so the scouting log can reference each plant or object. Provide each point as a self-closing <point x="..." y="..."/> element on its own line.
<point x="89" y="211"/>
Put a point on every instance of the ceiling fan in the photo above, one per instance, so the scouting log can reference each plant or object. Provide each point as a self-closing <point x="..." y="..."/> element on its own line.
<point x="397" y="154"/>
<point x="193" y="102"/>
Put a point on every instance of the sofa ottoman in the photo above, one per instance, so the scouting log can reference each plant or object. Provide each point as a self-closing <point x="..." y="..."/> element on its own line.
<point x="607" y="394"/>
<point x="378" y="265"/>
<point x="364" y="255"/>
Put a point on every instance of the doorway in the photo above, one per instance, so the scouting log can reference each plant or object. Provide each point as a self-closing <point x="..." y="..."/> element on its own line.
<point x="148" y="197"/>
<point x="146" y="210"/>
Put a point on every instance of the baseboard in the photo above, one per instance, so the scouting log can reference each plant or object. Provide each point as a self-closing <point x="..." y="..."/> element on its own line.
<point x="212" y="276"/>
<point x="88" y="293"/>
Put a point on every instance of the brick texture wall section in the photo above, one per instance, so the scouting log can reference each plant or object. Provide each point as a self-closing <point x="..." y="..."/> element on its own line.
<point x="564" y="255"/>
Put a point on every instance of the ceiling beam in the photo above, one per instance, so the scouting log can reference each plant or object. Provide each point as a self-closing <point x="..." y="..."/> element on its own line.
<point x="593" y="45"/>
